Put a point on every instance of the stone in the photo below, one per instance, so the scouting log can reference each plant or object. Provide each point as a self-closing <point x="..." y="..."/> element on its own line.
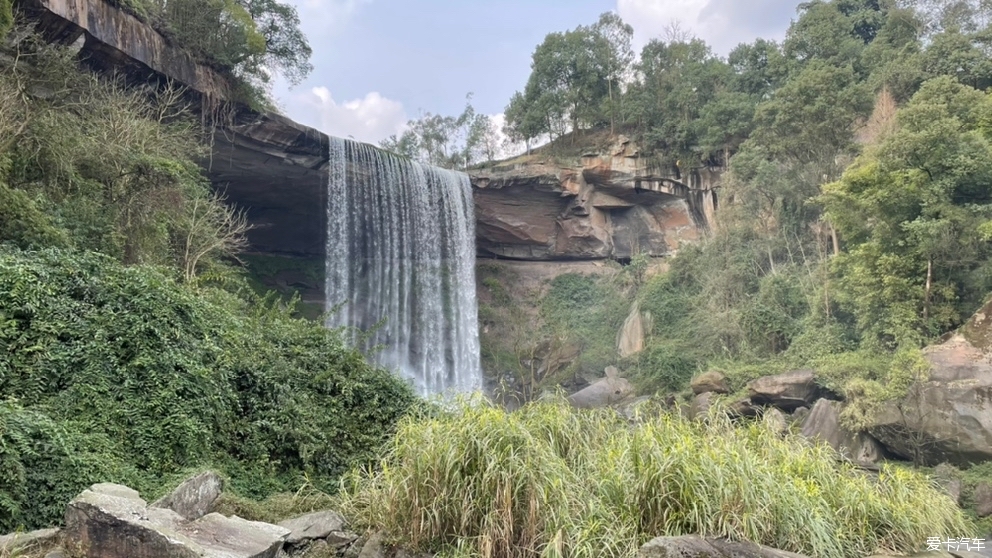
<point x="774" y="420"/>
<point x="823" y="423"/>
<point x="57" y="553"/>
<point x="195" y="497"/>
<point x="947" y="417"/>
<point x="983" y="499"/>
<point x="630" y="340"/>
<point x="324" y="524"/>
<point x="607" y="391"/>
<point x="800" y="414"/>
<point x="701" y="405"/>
<point x="374" y="547"/>
<point x="112" y="521"/>
<point x="711" y="381"/>
<point x="602" y="206"/>
<point x="787" y="391"/>
<point x="692" y="546"/>
<point x="27" y="541"/>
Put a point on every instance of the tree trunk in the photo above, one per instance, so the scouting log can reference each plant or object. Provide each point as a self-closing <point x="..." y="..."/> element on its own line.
<point x="612" y="115"/>
<point x="929" y="286"/>
<point x="835" y="240"/>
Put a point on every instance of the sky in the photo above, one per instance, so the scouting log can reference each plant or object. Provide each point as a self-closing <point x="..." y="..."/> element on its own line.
<point x="379" y="63"/>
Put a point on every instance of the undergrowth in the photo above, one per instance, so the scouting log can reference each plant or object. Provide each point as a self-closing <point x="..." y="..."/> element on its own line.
<point x="549" y="480"/>
<point x="120" y="374"/>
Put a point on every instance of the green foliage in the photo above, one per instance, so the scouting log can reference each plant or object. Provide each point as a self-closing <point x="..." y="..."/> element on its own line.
<point x="164" y="378"/>
<point x="6" y="17"/>
<point x="912" y="212"/>
<point x="249" y="40"/>
<point x="549" y="480"/>
<point x="447" y="141"/>
<point x="94" y="165"/>
<point x="590" y="312"/>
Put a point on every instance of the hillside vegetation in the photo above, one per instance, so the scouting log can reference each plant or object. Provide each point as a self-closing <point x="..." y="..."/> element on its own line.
<point x="131" y="348"/>
<point x="855" y="210"/>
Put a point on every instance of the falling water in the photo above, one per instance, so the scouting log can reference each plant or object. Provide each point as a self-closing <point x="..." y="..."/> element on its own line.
<point x="401" y="256"/>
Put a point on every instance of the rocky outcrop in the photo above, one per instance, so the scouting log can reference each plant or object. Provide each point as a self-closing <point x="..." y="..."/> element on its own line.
<point x="630" y="339"/>
<point x="611" y="389"/>
<point x="327" y="525"/>
<point x="195" y="497"/>
<point x="611" y="205"/>
<point x="112" y="521"/>
<point x="787" y="391"/>
<point x="709" y="382"/>
<point x="692" y="546"/>
<point x="265" y="163"/>
<point x="823" y="424"/>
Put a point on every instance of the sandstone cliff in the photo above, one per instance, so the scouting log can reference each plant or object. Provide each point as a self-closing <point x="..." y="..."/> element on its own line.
<point x="610" y="203"/>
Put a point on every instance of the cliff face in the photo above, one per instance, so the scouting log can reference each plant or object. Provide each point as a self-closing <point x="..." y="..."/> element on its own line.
<point x="613" y="203"/>
<point x="610" y="205"/>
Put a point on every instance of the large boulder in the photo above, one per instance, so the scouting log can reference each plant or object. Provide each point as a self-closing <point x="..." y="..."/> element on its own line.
<point x="195" y="497"/>
<point x="823" y="423"/>
<point x="709" y="382"/>
<point x="328" y="525"/>
<point x="692" y="546"/>
<point x="948" y="417"/>
<point x="608" y="391"/>
<point x="112" y="521"/>
<point x="787" y="391"/>
<point x="630" y="339"/>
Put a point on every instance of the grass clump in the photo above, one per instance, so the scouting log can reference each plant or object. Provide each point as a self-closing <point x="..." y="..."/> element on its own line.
<point x="549" y="480"/>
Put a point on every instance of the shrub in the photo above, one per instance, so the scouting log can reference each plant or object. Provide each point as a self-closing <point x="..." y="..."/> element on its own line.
<point x="550" y="480"/>
<point x="168" y="378"/>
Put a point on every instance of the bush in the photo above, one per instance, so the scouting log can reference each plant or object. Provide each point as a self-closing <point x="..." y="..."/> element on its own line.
<point x="168" y="378"/>
<point x="550" y="480"/>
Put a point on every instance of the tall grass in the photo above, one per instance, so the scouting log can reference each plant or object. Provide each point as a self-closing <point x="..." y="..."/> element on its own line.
<point x="552" y="481"/>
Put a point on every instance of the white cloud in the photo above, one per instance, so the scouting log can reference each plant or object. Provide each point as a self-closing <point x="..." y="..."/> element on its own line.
<point x="369" y="119"/>
<point x="722" y="23"/>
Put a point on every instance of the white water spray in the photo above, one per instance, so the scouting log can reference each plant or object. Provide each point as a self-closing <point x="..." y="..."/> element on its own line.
<point x="401" y="255"/>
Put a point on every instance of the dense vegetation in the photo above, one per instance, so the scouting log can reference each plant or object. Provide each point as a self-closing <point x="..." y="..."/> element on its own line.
<point x="121" y="374"/>
<point x="548" y="480"/>
<point x="132" y="349"/>
<point x="856" y="212"/>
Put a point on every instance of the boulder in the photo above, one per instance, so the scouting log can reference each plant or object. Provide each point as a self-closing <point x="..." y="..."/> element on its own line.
<point x="787" y="391"/>
<point x="692" y="546"/>
<point x="701" y="405"/>
<point x="27" y="541"/>
<point x="195" y="497"/>
<point x="711" y="381"/>
<point x="630" y="339"/>
<point x="775" y="421"/>
<point x="947" y="417"/>
<point x="325" y="524"/>
<point x="112" y="521"/>
<point x="611" y="389"/>
<point x="983" y="499"/>
<point x="823" y="423"/>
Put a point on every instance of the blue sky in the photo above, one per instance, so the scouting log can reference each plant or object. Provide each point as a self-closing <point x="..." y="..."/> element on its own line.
<point x="378" y="63"/>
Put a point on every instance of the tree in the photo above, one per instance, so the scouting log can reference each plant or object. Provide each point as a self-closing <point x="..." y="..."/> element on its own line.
<point x="677" y="79"/>
<point x="911" y="212"/>
<point x="571" y="75"/>
<point x="286" y="47"/>
<point x="618" y="59"/>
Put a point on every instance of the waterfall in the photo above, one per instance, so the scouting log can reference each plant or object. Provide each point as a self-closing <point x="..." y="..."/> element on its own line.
<point x="401" y="262"/>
